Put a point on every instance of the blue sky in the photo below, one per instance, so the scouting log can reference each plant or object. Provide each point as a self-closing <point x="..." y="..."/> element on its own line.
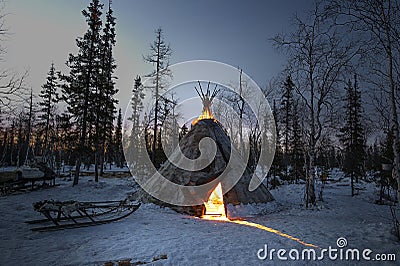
<point x="233" y="32"/>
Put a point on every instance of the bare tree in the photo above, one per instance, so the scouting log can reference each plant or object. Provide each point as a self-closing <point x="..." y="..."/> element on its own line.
<point x="243" y="119"/>
<point x="317" y="56"/>
<point x="160" y="52"/>
<point x="12" y="84"/>
<point x="241" y="104"/>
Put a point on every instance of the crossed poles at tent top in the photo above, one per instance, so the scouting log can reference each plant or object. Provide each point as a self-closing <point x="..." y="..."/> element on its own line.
<point x="207" y="98"/>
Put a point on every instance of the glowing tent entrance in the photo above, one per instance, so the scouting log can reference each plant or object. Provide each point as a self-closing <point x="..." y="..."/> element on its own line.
<point x="210" y="203"/>
<point x="215" y="207"/>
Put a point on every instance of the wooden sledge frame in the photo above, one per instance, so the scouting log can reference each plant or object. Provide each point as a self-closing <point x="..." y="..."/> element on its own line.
<point x="73" y="214"/>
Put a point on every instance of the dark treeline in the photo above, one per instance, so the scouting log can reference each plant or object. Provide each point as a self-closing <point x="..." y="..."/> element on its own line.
<point x="338" y="95"/>
<point x="83" y="133"/>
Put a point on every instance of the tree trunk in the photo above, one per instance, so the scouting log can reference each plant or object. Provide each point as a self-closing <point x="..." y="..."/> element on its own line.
<point x="310" y="177"/>
<point x="395" y="122"/>
<point x="310" y="189"/>
<point x="352" y="184"/>
<point x="28" y="137"/>
<point x="96" y="166"/>
<point x="77" y="169"/>
<point x="241" y="110"/>
<point x="102" y="160"/>
<point x="153" y="154"/>
<point x="396" y="144"/>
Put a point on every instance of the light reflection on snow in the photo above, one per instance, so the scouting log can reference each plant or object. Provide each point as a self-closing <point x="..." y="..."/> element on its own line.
<point x="215" y="211"/>
<point x="259" y="226"/>
<point x="271" y="230"/>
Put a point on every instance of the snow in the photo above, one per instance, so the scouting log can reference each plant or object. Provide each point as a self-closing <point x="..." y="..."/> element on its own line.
<point x="153" y="231"/>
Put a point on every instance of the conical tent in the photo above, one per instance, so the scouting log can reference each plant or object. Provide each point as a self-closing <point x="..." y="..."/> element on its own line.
<point x="207" y="127"/>
<point x="189" y="145"/>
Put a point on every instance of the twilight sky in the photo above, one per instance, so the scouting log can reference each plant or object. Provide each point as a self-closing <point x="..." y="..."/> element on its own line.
<point x="233" y="32"/>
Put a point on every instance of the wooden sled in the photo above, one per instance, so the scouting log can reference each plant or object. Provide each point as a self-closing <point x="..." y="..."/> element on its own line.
<point x="74" y="214"/>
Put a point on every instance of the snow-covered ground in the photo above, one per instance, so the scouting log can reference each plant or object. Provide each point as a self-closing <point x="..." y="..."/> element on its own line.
<point x="153" y="232"/>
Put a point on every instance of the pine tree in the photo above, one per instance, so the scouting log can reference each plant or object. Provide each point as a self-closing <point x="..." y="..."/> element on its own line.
<point x="66" y="138"/>
<point x="286" y="120"/>
<point x="136" y="104"/>
<point x="106" y="91"/>
<point x="352" y="134"/>
<point x="50" y="98"/>
<point x="83" y="79"/>
<point x="297" y="144"/>
<point x="133" y="150"/>
<point x="119" y="154"/>
<point x="277" y="163"/>
<point x="373" y="157"/>
<point x="90" y="88"/>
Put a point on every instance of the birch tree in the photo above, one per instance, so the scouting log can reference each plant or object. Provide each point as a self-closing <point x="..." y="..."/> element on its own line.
<point x="317" y="56"/>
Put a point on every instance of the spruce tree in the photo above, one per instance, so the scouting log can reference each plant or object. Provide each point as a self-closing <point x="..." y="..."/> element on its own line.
<point x="133" y="150"/>
<point x="297" y="143"/>
<point x="136" y="104"/>
<point x="107" y="90"/>
<point x="66" y="138"/>
<point x="119" y="154"/>
<point x="277" y="163"/>
<point x="286" y="120"/>
<point x="49" y="99"/>
<point x="83" y="79"/>
<point x="352" y="133"/>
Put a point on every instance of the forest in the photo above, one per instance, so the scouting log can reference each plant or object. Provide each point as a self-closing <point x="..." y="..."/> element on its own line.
<point x="335" y="103"/>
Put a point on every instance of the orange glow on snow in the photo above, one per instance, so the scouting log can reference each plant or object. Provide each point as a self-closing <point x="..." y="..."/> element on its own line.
<point x="215" y="207"/>
<point x="215" y="210"/>
<point x="271" y="230"/>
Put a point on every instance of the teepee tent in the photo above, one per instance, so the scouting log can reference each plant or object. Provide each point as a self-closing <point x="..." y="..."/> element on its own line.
<point x="206" y="126"/>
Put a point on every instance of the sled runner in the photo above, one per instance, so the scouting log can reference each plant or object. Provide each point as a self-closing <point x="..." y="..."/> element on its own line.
<point x="73" y="214"/>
